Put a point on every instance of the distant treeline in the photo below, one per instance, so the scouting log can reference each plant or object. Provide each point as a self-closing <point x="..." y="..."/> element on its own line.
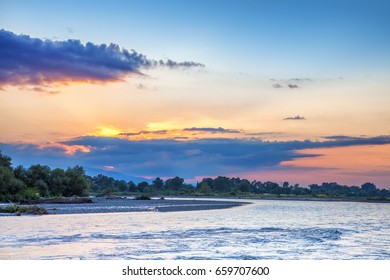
<point x="19" y="183"/>
<point x="105" y="185"/>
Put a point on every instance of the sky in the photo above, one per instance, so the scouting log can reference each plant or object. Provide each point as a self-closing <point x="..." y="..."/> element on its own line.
<point x="280" y="90"/>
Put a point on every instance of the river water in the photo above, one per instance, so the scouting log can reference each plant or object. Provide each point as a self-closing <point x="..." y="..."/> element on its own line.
<point x="264" y="229"/>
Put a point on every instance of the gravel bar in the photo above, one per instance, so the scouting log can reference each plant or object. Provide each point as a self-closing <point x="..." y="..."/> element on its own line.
<point x="103" y="205"/>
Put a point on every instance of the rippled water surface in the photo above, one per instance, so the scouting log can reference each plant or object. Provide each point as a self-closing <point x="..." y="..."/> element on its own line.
<point x="261" y="230"/>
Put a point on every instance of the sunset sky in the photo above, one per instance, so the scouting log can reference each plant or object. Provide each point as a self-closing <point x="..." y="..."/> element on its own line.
<point x="279" y="90"/>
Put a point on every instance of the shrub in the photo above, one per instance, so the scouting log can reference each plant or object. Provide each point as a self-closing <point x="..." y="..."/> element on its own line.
<point x="18" y="209"/>
<point x="142" y="197"/>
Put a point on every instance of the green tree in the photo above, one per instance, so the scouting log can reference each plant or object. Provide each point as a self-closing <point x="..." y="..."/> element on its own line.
<point x="102" y="184"/>
<point x="42" y="187"/>
<point x="142" y="186"/>
<point x="5" y="161"/>
<point x="38" y="172"/>
<point x="174" y="184"/>
<point x="59" y="182"/>
<point x="158" y="183"/>
<point x="204" y="188"/>
<point x="132" y="187"/>
<point x="21" y="173"/>
<point x="244" y="186"/>
<point x="369" y="189"/>
<point x="9" y="185"/>
<point x="222" y="184"/>
<point x="208" y="181"/>
<point x="78" y="183"/>
<point x="120" y="185"/>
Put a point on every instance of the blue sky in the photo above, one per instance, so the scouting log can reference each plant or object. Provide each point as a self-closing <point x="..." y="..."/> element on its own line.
<point x="278" y="38"/>
<point x="174" y="78"/>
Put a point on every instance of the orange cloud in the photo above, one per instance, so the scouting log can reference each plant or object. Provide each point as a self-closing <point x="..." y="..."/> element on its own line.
<point x="109" y="167"/>
<point x="68" y="149"/>
<point x="71" y="149"/>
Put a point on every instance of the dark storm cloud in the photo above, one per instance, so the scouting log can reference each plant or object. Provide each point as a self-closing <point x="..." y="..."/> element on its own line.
<point x="212" y="130"/>
<point x="294" y="83"/>
<point x="341" y="137"/>
<point x="301" y="80"/>
<point x="206" y="157"/>
<point x="186" y="158"/>
<point x="272" y="133"/>
<point x="292" y="86"/>
<point x="173" y="64"/>
<point x="32" y="61"/>
<point x="341" y="140"/>
<point x="296" y="118"/>
<point x="144" y="132"/>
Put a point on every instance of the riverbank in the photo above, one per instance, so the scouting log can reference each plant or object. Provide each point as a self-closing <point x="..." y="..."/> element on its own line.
<point x="319" y="198"/>
<point x="295" y="198"/>
<point x="124" y="204"/>
<point x="115" y="204"/>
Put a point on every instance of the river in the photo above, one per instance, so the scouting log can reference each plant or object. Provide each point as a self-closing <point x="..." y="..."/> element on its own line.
<point x="264" y="229"/>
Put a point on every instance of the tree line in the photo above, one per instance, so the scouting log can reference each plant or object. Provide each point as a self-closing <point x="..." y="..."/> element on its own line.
<point x="105" y="185"/>
<point x="237" y="186"/>
<point x="41" y="181"/>
<point x="24" y="184"/>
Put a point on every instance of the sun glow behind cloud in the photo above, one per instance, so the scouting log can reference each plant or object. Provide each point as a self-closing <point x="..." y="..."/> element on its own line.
<point x="168" y="131"/>
<point x="107" y="131"/>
